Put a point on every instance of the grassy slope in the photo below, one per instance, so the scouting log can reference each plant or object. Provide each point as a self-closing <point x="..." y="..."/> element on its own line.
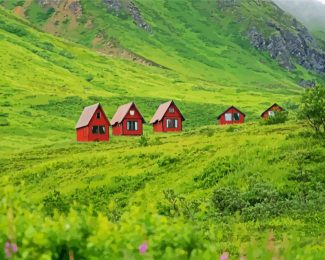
<point x="196" y="36"/>
<point x="46" y="82"/>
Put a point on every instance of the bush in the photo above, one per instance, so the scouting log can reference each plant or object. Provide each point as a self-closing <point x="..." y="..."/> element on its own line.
<point x="143" y="141"/>
<point x="215" y="171"/>
<point x="89" y="77"/>
<point x="14" y="29"/>
<point x="312" y="108"/>
<point x="228" y="200"/>
<point x="279" y="117"/>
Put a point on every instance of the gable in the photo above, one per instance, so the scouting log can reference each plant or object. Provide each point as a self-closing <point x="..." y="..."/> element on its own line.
<point x="231" y="109"/>
<point x="163" y="110"/>
<point x="124" y="111"/>
<point x="102" y="120"/>
<point x="274" y="106"/>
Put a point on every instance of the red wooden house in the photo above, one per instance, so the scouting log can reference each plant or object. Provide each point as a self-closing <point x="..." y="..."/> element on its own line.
<point x="127" y="120"/>
<point x="93" y="125"/>
<point x="167" y="118"/>
<point x="231" y="116"/>
<point x="271" y="111"/>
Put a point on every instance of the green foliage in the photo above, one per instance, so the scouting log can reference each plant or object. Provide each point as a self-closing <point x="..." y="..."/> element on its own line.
<point x="216" y="171"/>
<point x="103" y="200"/>
<point x="279" y="117"/>
<point x="313" y="108"/>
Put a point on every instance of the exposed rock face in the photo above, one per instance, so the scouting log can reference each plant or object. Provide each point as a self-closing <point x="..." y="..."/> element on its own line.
<point x="137" y="18"/>
<point x="287" y="47"/>
<point x="48" y="3"/>
<point x="276" y="32"/>
<point x="113" y="5"/>
<point x="117" y="6"/>
<point x="73" y="5"/>
<point x="307" y="83"/>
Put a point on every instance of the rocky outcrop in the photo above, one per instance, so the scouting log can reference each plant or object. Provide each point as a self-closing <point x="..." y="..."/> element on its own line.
<point x="289" y="48"/>
<point x="307" y="83"/>
<point x="48" y="3"/>
<point x="73" y="6"/>
<point x="276" y="32"/>
<point x="113" y="5"/>
<point x="118" y="7"/>
<point x="137" y="18"/>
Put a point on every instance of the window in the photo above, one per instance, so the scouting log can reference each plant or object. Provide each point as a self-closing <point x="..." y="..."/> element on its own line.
<point x="171" y="110"/>
<point x="132" y="112"/>
<point x="172" y="123"/>
<point x="95" y="129"/>
<point x="271" y="113"/>
<point x="102" y="129"/>
<point x="132" y="126"/>
<point x="98" y="115"/>
<point x="228" y="116"/>
<point x="236" y="116"/>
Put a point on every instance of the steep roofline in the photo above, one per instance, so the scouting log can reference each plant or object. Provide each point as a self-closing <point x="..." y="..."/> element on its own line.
<point x="229" y="109"/>
<point x="117" y="118"/>
<point x="86" y="116"/>
<point x="158" y="116"/>
<point x="275" y="104"/>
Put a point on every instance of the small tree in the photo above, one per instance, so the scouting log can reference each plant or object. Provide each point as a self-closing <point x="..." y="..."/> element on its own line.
<point x="313" y="108"/>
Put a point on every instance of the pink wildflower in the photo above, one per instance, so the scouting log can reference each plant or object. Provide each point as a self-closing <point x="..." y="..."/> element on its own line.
<point x="143" y="248"/>
<point x="10" y="249"/>
<point x="224" y="256"/>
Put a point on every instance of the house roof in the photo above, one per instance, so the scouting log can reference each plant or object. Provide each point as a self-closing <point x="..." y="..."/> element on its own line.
<point x="229" y="109"/>
<point x="122" y="112"/>
<point x="87" y="115"/>
<point x="275" y="104"/>
<point x="161" y="111"/>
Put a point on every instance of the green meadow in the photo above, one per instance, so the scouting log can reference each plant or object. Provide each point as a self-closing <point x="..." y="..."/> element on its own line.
<point x="255" y="191"/>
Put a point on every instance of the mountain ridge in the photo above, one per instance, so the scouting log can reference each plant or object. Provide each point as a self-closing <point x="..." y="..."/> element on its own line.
<point x="111" y="26"/>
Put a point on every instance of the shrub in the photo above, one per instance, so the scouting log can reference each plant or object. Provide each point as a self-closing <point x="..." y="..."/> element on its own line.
<point x="312" y="108"/>
<point x="228" y="200"/>
<point x="14" y="29"/>
<point x="215" y="171"/>
<point x="279" y="117"/>
<point x="89" y="77"/>
<point x="143" y="141"/>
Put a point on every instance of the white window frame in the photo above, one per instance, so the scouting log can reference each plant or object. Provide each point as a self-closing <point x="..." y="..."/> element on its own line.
<point x="172" y="123"/>
<point x="132" y="112"/>
<point x="171" y="110"/>
<point x="238" y="116"/>
<point x="271" y="113"/>
<point x="128" y="124"/>
<point x="228" y="117"/>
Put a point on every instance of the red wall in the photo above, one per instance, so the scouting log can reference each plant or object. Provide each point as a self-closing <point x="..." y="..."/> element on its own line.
<point x="222" y="120"/>
<point x="117" y="129"/>
<point x="85" y="134"/>
<point x="158" y="127"/>
<point x="122" y="128"/>
<point x="162" y="125"/>
<point x="265" y="115"/>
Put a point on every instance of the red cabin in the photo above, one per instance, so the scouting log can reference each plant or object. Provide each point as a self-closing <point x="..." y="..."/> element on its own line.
<point x="93" y="125"/>
<point x="271" y="111"/>
<point x="127" y="120"/>
<point x="231" y="116"/>
<point x="167" y="118"/>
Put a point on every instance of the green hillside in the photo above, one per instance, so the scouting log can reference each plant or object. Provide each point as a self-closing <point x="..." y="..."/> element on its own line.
<point x="252" y="190"/>
<point x="46" y="82"/>
<point x="189" y="37"/>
